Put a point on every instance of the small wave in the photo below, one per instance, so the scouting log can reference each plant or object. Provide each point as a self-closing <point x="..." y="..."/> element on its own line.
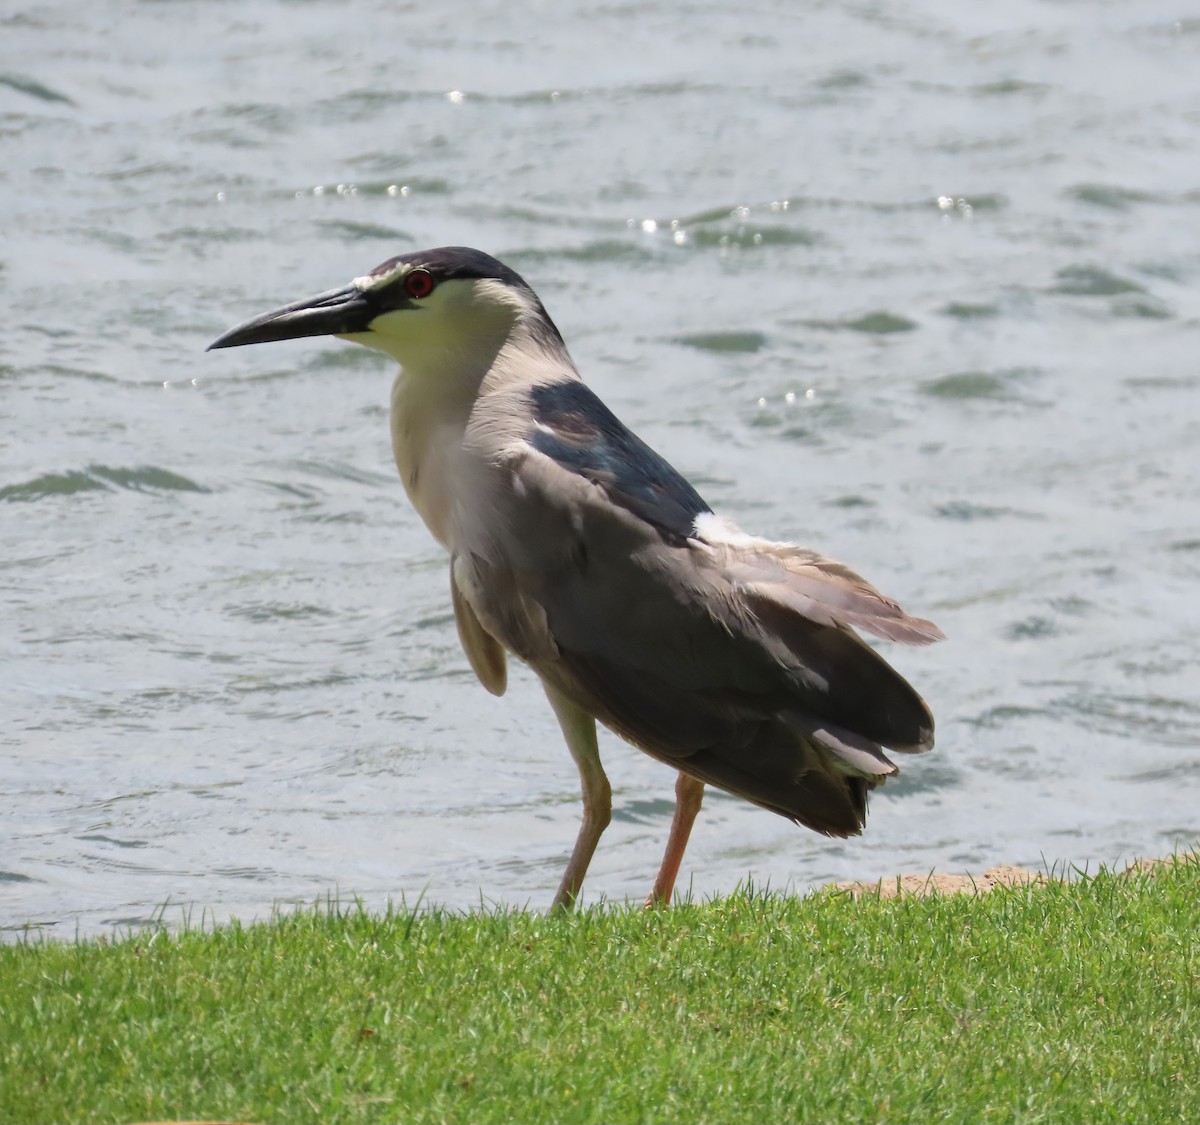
<point x="878" y="323"/>
<point x="142" y="478"/>
<point x="33" y="88"/>
<point x="725" y="341"/>
<point x="1092" y="281"/>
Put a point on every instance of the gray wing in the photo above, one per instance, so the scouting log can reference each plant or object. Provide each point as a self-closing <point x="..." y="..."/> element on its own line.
<point x="730" y="659"/>
<point x="575" y="430"/>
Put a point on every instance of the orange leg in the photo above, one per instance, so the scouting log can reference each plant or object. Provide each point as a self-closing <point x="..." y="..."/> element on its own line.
<point x="689" y="793"/>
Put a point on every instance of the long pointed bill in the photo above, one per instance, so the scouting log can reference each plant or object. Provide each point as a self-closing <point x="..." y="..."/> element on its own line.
<point x="338" y="312"/>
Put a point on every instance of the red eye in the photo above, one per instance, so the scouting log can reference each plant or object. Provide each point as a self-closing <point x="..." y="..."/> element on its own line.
<point x="419" y="284"/>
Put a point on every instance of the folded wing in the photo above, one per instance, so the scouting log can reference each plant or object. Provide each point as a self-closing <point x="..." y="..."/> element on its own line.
<point x="731" y="658"/>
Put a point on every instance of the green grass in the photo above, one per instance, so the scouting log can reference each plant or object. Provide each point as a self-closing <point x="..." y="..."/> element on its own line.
<point x="1068" y="1002"/>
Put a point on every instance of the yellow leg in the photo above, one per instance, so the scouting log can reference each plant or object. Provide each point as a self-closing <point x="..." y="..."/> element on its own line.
<point x="689" y="793"/>
<point x="579" y="729"/>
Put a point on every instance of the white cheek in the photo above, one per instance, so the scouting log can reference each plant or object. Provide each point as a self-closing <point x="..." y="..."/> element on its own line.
<point x="366" y="339"/>
<point x="395" y="322"/>
<point x="410" y="336"/>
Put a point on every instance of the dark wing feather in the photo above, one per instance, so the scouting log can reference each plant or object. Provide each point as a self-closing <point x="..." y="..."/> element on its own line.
<point x="577" y="431"/>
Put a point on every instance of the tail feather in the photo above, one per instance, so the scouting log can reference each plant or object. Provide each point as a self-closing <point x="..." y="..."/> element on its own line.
<point x="851" y="754"/>
<point x="848" y="684"/>
<point x="790" y="775"/>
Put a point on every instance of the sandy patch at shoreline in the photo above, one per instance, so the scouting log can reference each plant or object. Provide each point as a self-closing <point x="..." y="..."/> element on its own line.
<point x="1003" y="875"/>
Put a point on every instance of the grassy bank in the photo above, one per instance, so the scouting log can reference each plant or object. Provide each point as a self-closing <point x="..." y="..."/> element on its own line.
<point x="1064" y="1002"/>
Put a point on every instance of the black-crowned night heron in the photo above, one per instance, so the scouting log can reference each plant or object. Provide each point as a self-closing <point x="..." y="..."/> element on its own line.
<point x="578" y="549"/>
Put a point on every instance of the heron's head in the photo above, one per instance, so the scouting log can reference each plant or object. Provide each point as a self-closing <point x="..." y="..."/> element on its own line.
<point x="420" y="308"/>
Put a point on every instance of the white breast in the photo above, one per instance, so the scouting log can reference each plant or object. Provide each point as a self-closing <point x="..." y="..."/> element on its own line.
<point x="427" y="443"/>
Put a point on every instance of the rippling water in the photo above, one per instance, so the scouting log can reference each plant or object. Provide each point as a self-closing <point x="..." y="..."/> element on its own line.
<point x="912" y="283"/>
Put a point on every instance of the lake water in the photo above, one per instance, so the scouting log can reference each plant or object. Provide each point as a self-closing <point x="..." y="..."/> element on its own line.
<point x="913" y="283"/>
